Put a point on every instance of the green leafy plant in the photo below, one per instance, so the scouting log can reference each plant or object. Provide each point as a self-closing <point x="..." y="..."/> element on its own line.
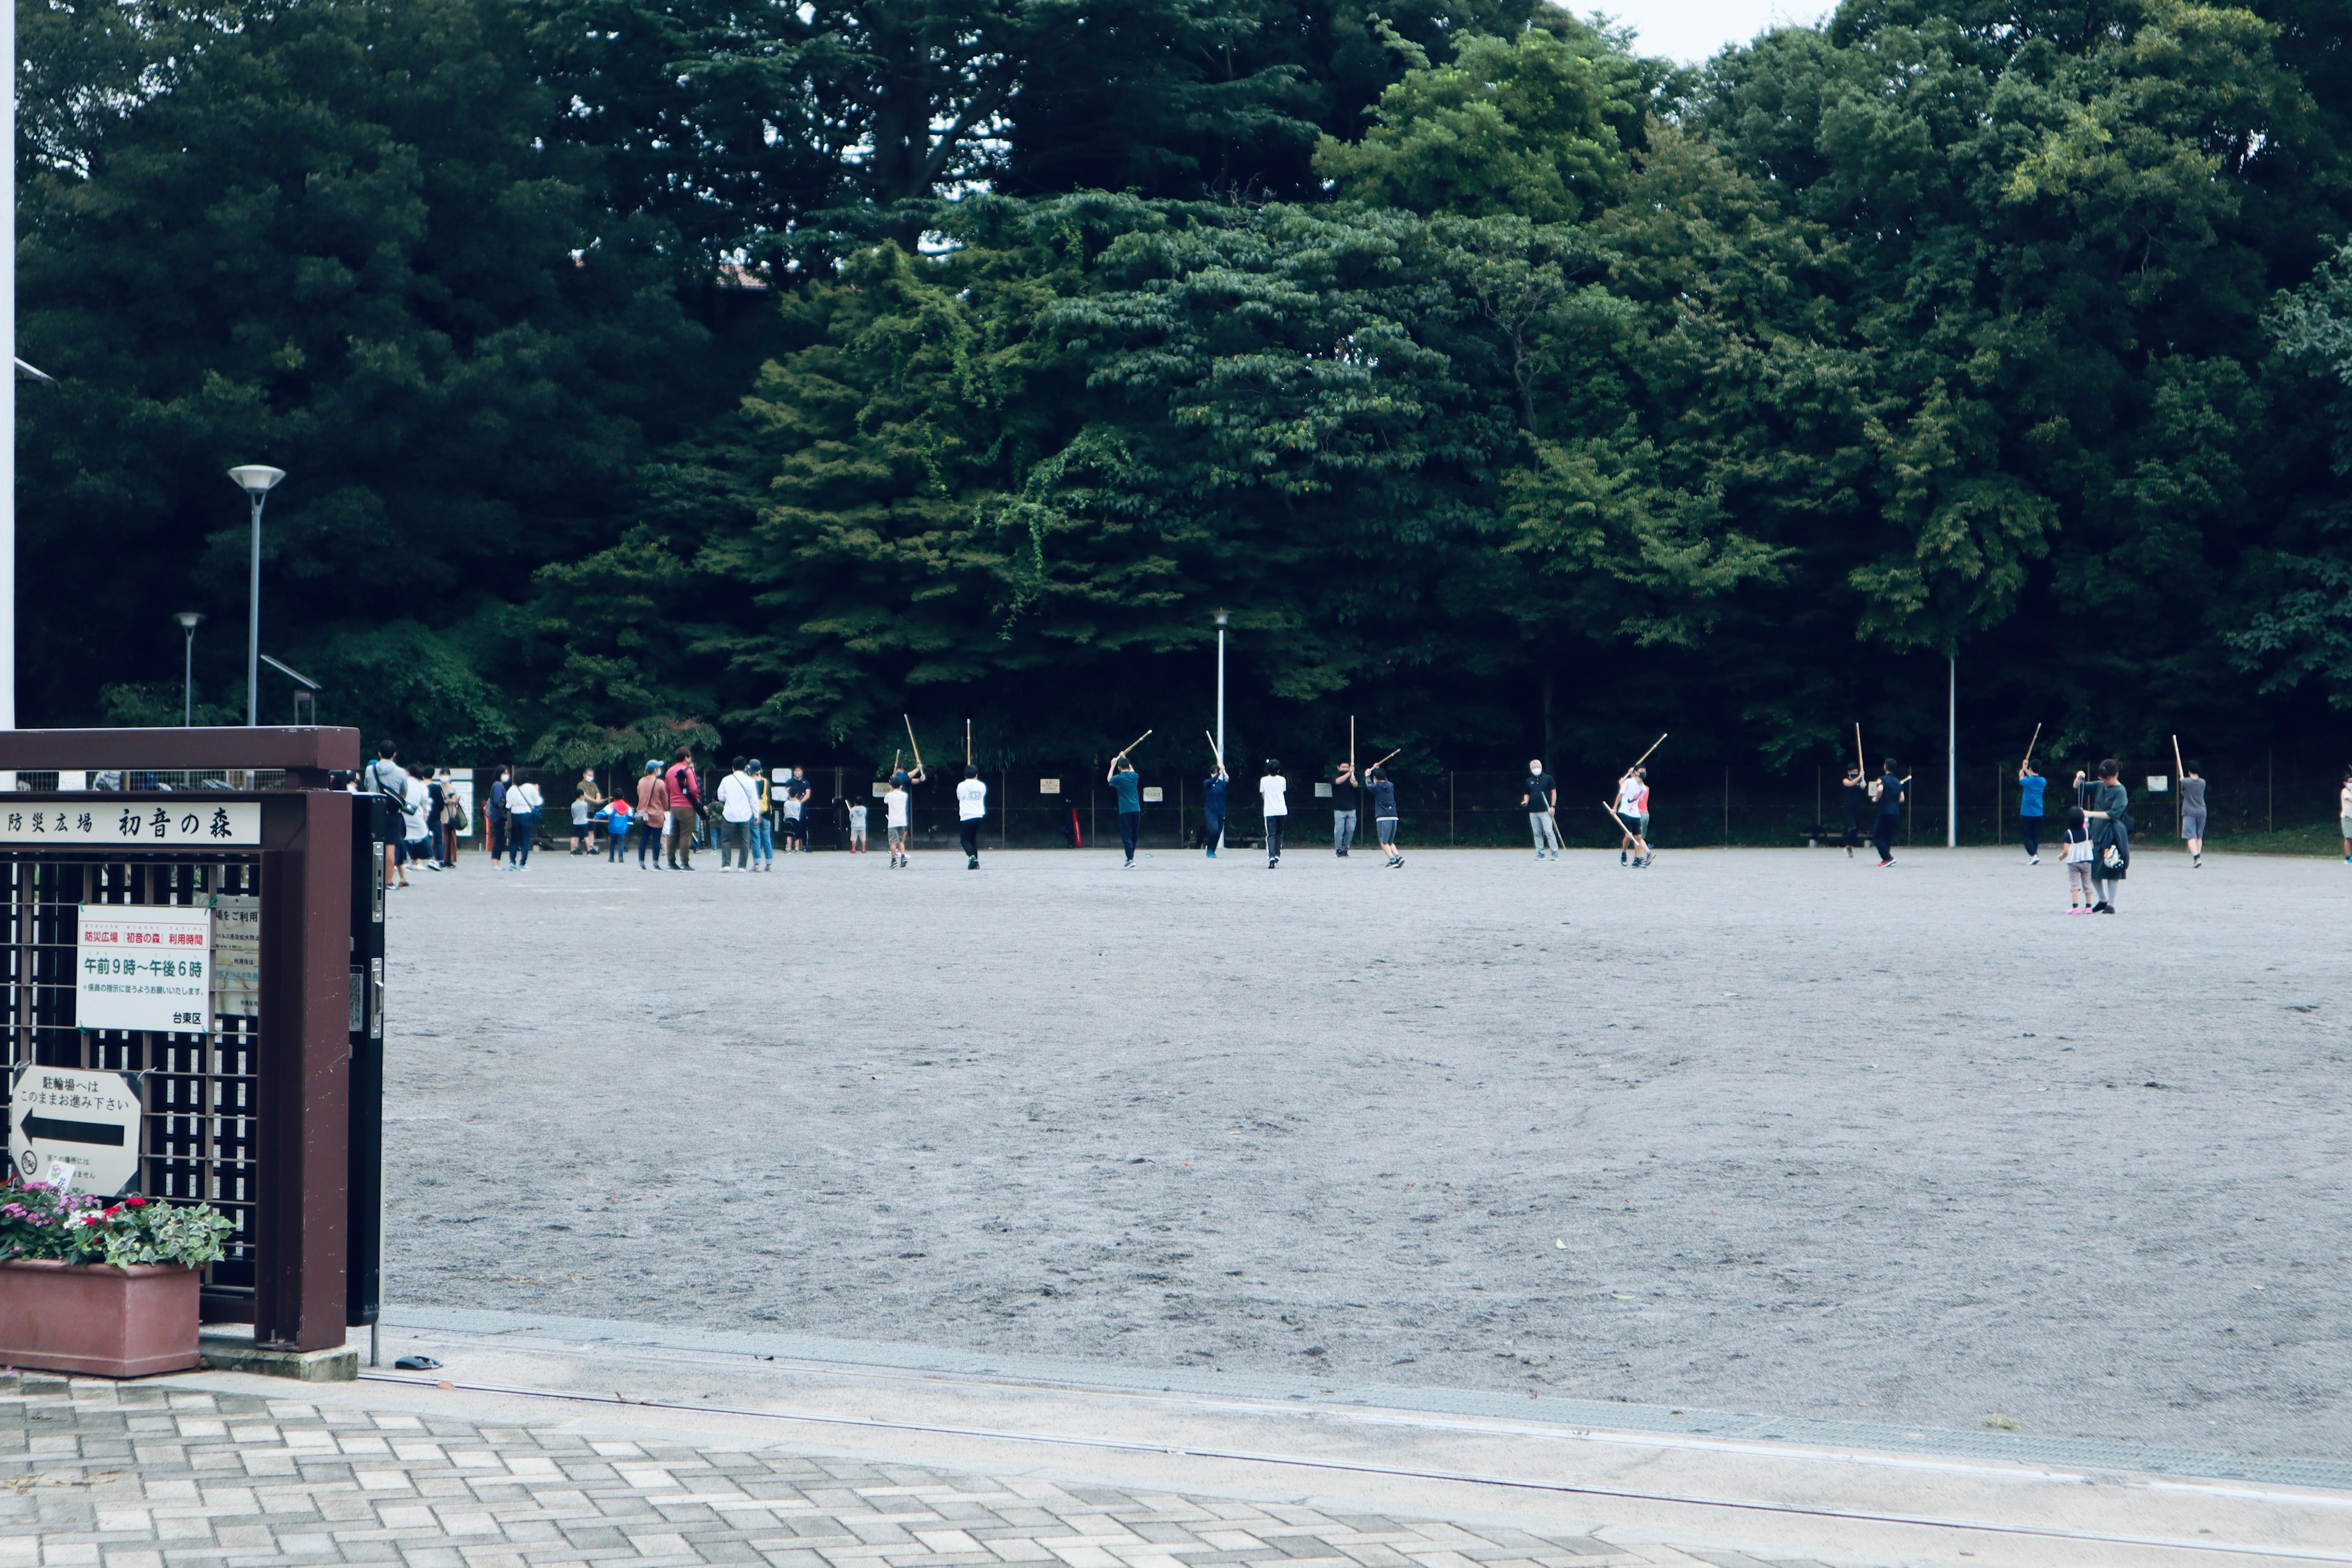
<point x="40" y="1221"/>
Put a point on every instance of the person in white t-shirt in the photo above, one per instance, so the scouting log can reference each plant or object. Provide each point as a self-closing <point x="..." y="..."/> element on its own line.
<point x="739" y="805"/>
<point x="971" y="809"/>
<point x="1271" y="790"/>
<point x="857" y="828"/>
<point x="898" y="814"/>
<point x="1632" y="805"/>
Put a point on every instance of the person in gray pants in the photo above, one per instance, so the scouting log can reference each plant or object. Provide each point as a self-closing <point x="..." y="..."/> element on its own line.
<point x="1540" y="801"/>
<point x="1343" y="810"/>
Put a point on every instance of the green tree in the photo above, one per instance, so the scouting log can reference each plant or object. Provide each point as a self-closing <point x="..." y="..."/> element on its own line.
<point x="338" y="242"/>
<point x="1518" y="126"/>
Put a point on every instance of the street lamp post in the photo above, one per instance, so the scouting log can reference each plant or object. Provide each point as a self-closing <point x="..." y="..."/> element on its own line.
<point x="1221" y="707"/>
<point x="1952" y="754"/>
<point x="1221" y="685"/>
<point x="256" y="479"/>
<point x="188" y="620"/>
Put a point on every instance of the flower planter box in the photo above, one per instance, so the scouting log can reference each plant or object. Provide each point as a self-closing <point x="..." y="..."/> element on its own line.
<point x="98" y="1319"/>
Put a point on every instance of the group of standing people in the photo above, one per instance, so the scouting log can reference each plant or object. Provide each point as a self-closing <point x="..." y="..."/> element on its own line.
<point x="1350" y="800"/>
<point x="431" y="813"/>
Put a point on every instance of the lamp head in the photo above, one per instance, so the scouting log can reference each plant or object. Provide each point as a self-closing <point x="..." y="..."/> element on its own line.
<point x="188" y="619"/>
<point x="258" y="478"/>
<point x="1221" y="620"/>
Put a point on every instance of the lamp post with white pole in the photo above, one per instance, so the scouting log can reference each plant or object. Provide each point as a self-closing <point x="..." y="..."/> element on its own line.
<point x="256" y="479"/>
<point x="189" y="620"/>
<point x="1221" y="684"/>
<point x="1952" y="753"/>
<point x="1220" y="706"/>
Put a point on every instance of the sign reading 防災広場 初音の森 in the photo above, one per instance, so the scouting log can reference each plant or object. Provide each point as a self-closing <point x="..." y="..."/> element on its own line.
<point x="171" y="823"/>
<point x="143" y="966"/>
<point x="89" y="1121"/>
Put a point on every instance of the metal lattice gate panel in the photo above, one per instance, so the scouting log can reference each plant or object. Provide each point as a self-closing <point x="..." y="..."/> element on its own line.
<point x="202" y="1089"/>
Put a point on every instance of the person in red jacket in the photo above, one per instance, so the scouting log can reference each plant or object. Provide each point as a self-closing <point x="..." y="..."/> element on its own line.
<point x="685" y="807"/>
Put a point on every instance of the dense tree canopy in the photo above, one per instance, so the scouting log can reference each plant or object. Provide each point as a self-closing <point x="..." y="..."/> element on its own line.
<point x="661" y="367"/>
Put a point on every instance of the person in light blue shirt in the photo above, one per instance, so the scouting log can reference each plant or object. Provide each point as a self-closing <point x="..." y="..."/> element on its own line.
<point x="2029" y="787"/>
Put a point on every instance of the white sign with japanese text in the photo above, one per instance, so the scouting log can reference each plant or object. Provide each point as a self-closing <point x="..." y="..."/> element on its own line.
<point x="237" y="955"/>
<point x="143" y="966"/>
<point x="178" y="825"/>
<point x="88" y="1121"/>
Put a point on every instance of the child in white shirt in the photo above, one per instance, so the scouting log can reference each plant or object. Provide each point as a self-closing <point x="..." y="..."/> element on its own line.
<point x="2078" y="863"/>
<point x="857" y="830"/>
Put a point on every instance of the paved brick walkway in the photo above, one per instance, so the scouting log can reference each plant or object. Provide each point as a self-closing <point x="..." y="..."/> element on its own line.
<point x="147" y="1475"/>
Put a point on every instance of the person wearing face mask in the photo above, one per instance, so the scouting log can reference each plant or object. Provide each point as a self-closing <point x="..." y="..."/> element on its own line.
<point x="1540" y="800"/>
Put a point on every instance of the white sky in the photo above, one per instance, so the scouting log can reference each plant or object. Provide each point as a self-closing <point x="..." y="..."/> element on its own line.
<point x="1691" y="30"/>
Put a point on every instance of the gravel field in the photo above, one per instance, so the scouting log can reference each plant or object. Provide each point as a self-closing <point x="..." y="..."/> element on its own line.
<point x="1756" y="1130"/>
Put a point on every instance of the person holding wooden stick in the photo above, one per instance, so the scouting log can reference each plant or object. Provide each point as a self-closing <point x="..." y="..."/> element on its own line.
<point x="2030" y="786"/>
<point x="1539" y="799"/>
<point x="1384" y="812"/>
<point x="1271" y="789"/>
<point x="972" y="810"/>
<point x="1889" y="791"/>
<point x="1853" y="796"/>
<point x="898" y="813"/>
<point x="1344" y="805"/>
<point x="2192" y="812"/>
<point x="1213" y="802"/>
<point x="1632" y="801"/>
<point x="1124" y="779"/>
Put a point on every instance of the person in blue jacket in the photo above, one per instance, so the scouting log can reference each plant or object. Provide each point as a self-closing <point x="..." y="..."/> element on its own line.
<point x="1212" y="796"/>
<point x="2029" y="787"/>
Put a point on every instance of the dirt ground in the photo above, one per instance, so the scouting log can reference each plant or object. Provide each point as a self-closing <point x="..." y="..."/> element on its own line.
<point x="1757" y="1129"/>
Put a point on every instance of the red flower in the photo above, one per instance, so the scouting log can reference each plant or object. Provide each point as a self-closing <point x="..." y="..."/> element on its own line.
<point x="136" y="1203"/>
<point x="115" y="1210"/>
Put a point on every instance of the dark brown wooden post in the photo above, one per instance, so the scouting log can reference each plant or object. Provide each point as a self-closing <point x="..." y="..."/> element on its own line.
<point x="304" y="1157"/>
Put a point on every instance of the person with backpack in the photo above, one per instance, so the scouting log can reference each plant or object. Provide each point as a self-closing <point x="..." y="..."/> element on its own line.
<point x="685" y="807"/>
<point x="614" y="816"/>
<point x="763" y="835"/>
<point x="738" y="805"/>
<point x="416" y="825"/>
<point x="494" y="813"/>
<point x="524" y="800"/>
<point x="386" y="777"/>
